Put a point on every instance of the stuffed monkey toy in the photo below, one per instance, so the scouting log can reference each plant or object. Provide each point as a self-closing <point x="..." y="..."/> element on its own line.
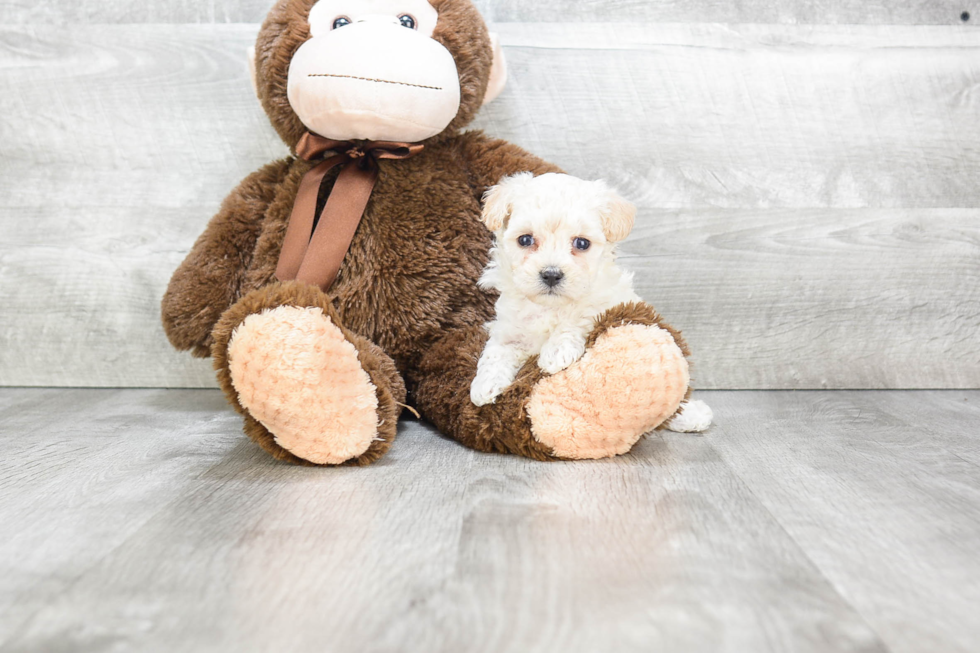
<point x="333" y="283"/>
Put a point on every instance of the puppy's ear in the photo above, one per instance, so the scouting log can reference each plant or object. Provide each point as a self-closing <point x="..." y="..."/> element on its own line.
<point x="499" y="200"/>
<point x="618" y="216"/>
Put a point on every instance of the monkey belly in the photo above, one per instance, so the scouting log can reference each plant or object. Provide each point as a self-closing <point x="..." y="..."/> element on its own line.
<point x="412" y="269"/>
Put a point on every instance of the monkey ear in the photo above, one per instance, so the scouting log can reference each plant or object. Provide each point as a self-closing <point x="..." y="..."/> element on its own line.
<point x="250" y="55"/>
<point x="498" y="72"/>
<point x="617" y="215"/>
<point x="499" y="200"/>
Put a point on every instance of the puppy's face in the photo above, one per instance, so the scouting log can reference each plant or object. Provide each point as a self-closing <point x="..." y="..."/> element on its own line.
<point x="555" y="233"/>
<point x="553" y="256"/>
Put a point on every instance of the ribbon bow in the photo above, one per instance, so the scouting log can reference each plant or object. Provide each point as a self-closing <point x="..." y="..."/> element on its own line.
<point x="316" y="259"/>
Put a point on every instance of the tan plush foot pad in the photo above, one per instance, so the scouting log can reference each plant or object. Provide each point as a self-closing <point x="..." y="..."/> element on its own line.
<point x="296" y="374"/>
<point x="632" y="379"/>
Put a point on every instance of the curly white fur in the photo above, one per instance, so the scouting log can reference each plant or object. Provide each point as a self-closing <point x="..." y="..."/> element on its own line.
<point x="554" y="321"/>
<point x="693" y="417"/>
<point x="557" y="212"/>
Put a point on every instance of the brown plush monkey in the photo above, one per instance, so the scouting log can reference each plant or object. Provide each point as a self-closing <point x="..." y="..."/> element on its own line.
<point x="318" y="359"/>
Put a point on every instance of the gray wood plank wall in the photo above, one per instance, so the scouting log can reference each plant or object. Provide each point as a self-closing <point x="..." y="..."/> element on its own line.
<point x="842" y="12"/>
<point x="806" y="174"/>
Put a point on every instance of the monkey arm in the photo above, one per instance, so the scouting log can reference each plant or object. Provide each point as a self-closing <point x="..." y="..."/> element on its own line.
<point x="491" y="159"/>
<point x="209" y="279"/>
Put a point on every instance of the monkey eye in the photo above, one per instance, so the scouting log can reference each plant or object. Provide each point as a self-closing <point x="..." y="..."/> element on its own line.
<point x="581" y="244"/>
<point x="526" y="240"/>
<point x="407" y="20"/>
<point x="340" y="21"/>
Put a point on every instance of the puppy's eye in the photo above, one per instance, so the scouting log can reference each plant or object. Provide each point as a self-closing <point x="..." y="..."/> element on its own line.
<point x="340" y="21"/>
<point x="407" y="21"/>
<point x="581" y="244"/>
<point x="526" y="240"/>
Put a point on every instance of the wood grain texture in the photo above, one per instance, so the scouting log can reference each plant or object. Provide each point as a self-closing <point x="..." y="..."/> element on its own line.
<point x="53" y="12"/>
<point x="118" y="144"/>
<point x="808" y="195"/>
<point x="751" y="116"/>
<point x="859" y="298"/>
<point x="839" y="12"/>
<point x="84" y="471"/>
<point x="882" y="492"/>
<point x="436" y="548"/>
<point x="831" y="12"/>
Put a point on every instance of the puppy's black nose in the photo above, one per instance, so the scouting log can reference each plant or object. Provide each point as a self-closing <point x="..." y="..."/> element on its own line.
<point x="552" y="276"/>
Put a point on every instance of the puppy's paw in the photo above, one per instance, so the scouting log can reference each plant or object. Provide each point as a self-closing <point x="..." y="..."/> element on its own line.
<point x="486" y="388"/>
<point x="557" y="355"/>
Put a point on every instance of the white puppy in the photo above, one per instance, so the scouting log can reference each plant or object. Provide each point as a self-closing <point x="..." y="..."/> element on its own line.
<point x="554" y="264"/>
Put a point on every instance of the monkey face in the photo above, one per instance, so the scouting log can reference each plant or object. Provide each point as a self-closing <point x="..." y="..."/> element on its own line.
<point x="372" y="71"/>
<point x="400" y="70"/>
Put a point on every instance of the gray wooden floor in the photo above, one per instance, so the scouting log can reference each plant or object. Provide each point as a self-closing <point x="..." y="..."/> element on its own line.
<point x="807" y="521"/>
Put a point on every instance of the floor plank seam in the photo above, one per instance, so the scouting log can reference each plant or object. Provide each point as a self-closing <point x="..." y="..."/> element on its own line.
<point x="820" y="572"/>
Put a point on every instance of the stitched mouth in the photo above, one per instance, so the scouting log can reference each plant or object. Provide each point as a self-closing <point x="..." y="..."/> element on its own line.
<point x="378" y="81"/>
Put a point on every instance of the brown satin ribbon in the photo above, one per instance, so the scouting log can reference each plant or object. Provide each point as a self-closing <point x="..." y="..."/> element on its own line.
<point x="316" y="260"/>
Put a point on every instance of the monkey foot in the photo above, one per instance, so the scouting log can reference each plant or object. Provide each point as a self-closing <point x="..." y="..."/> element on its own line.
<point x="296" y="373"/>
<point x="632" y="379"/>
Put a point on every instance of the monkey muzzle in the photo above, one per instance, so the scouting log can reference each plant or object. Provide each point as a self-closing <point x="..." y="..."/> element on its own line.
<point x="374" y="81"/>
